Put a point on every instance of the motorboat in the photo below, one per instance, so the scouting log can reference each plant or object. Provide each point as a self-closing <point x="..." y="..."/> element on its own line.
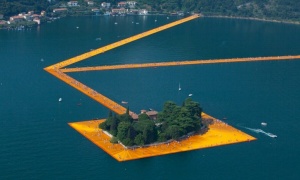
<point x="263" y="123"/>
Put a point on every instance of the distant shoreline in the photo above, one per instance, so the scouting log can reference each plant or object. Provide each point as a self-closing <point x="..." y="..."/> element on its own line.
<point x="202" y="15"/>
<point x="255" y="19"/>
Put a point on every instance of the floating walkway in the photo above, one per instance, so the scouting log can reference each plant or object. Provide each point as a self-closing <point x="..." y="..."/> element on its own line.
<point x="110" y="104"/>
<point x="219" y="132"/>
<point x="181" y="63"/>
<point x="121" y="43"/>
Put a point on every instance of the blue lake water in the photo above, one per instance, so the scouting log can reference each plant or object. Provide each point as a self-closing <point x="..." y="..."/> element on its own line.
<point x="37" y="143"/>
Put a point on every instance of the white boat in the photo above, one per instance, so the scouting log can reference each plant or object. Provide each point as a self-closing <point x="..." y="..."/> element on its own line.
<point x="116" y="23"/>
<point x="179" y="88"/>
<point x="60" y="99"/>
<point x="263" y="123"/>
<point x="190" y="95"/>
<point x="124" y="102"/>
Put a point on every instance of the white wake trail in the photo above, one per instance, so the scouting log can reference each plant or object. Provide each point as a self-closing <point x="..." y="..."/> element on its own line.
<point x="261" y="131"/>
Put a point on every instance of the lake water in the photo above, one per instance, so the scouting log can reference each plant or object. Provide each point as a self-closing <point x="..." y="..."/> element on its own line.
<point x="37" y="143"/>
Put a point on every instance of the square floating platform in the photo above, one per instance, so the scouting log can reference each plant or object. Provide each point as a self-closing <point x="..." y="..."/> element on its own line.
<point x="218" y="134"/>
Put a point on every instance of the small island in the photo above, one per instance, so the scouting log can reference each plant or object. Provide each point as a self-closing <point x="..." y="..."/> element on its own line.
<point x="213" y="132"/>
<point x="173" y="123"/>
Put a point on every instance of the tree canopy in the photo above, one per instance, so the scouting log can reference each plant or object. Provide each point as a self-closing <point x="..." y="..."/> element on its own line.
<point x="270" y="9"/>
<point x="172" y="123"/>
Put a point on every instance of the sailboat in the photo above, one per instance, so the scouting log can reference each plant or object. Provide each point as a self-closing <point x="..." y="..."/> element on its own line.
<point x="179" y="88"/>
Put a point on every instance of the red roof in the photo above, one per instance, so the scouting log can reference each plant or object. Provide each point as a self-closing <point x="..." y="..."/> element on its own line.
<point x="17" y="17"/>
<point x="151" y="113"/>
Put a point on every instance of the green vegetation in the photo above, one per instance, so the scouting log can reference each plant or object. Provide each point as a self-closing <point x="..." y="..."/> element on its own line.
<point x="285" y="10"/>
<point x="172" y="123"/>
<point x="269" y="9"/>
<point x="14" y="7"/>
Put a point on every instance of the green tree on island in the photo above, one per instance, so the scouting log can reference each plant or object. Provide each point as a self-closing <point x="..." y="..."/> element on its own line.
<point x="172" y="123"/>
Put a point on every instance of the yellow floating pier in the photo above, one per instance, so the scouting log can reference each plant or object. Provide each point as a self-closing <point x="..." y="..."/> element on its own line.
<point x="219" y="133"/>
<point x="110" y="104"/>
<point x="181" y="63"/>
<point x="122" y="42"/>
<point x="115" y="107"/>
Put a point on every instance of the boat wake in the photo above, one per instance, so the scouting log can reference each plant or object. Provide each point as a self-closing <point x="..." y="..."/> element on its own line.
<point x="261" y="131"/>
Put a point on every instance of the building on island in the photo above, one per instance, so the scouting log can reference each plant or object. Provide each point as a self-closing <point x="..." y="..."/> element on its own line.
<point x="2" y="22"/>
<point x="16" y="18"/>
<point x="37" y="20"/>
<point x="30" y="16"/>
<point x="43" y="13"/>
<point x="151" y="114"/>
<point x="30" y="12"/>
<point x="134" y="116"/>
<point x="73" y="3"/>
<point x="143" y="12"/>
<point x="90" y="3"/>
<point x="27" y="17"/>
<point x="59" y="10"/>
<point x="133" y="11"/>
<point x="124" y="4"/>
<point x="96" y="10"/>
<point x="131" y="4"/>
<point x="105" y="5"/>
<point x="118" y="11"/>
